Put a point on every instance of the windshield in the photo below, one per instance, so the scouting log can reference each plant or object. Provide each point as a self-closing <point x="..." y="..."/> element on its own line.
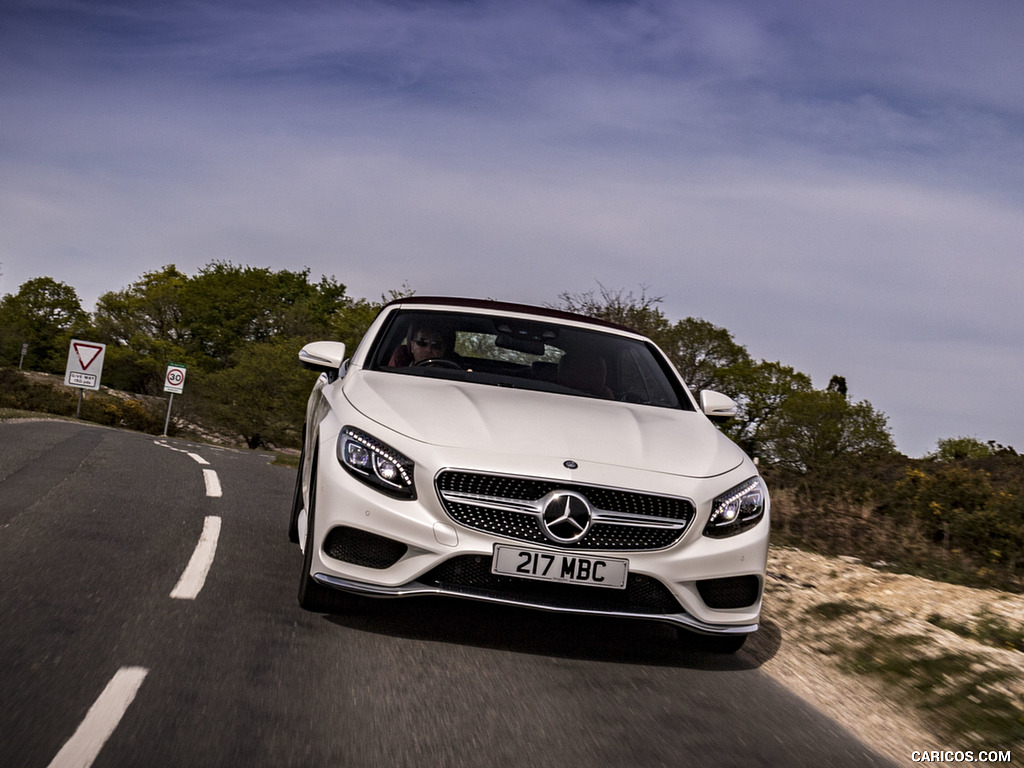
<point x="527" y="354"/>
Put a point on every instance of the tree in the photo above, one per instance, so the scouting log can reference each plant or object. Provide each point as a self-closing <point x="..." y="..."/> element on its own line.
<point x="226" y="306"/>
<point x="44" y="314"/>
<point x="261" y="396"/>
<point x="202" y="321"/>
<point x="351" y="323"/>
<point x="837" y="384"/>
<point x="762" y="389"/>
<point x="143" y="328"/>
<point x="150" y="307"/>
<point x="821" y="431"/>
<point x="640" y="313"/>
<point x="706" y="355"/>
<point x="949" y="449"/>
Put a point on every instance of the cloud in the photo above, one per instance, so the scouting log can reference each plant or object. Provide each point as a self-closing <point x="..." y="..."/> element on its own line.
<point x="838" y="185"/>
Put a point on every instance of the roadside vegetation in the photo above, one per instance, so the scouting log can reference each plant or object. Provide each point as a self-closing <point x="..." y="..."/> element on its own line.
<point x="839" y="484"/>
<point x="907" y="662"/>
<point x="965" y="697"/>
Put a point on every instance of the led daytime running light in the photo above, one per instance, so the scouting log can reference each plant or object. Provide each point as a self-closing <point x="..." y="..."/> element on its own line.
<point x="375" y="462"/>
<point x="737" y="510"/>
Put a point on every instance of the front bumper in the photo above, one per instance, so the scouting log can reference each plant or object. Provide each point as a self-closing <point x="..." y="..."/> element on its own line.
<point x="440" y="557"/>
<point x="417" y="589"/>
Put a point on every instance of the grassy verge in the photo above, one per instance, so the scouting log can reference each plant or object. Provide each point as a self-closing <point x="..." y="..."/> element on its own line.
<point x="286" y="460"/>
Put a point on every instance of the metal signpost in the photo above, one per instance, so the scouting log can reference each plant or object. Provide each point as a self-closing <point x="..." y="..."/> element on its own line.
<point x="174" y="382"/>
<point x="84" y="368"/>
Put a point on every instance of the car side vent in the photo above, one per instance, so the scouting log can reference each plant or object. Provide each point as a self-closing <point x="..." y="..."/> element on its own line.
<point x="733" y="592"/>
<point x="351" y="545"/>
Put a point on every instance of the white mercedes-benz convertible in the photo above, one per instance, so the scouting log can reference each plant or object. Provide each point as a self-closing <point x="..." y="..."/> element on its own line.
<point x="529" y="457"/>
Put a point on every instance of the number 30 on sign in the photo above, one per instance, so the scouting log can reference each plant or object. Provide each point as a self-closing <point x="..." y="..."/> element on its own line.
<point x="174" y="380"/>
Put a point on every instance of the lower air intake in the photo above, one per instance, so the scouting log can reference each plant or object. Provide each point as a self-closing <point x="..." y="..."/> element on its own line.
<point x="351" y="545"/>
<point x="733" y="592"/>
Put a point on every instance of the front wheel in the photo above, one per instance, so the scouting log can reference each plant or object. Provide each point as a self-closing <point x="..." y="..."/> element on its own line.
<point x="314" y="596"/>
<point x="293" y="523"/>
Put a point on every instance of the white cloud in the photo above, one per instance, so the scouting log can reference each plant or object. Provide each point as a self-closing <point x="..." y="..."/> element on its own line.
<point x="839" y="186"/>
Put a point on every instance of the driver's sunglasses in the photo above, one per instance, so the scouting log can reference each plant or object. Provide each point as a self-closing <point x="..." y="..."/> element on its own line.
<point x="428" y="343"/>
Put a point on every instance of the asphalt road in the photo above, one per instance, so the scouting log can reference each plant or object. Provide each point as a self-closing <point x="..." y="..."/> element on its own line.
<point x="102" y="666"/>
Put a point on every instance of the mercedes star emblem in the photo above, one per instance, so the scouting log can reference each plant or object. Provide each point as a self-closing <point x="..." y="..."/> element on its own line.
<point x="566" y="517"/>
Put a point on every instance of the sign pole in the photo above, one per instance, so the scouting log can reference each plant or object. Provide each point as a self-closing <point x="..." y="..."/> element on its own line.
<point x="167" y="421"/>
<point x="78" y="413"/>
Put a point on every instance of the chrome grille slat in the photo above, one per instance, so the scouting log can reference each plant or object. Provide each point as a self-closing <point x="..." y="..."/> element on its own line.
<point x="490" y="502"/>
<point x="639" y="521"/>
<point x="512" y="506"/>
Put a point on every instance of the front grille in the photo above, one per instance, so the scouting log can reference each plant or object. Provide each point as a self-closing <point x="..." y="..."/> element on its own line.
<point x="732" y="592"/>
<point x="494" y="495"/>
<point x="351" y="545"/>
<point x="471" y="575"/>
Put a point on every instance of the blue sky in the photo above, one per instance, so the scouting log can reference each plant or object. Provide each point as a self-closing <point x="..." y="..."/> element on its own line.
<point x="839" y="184"/>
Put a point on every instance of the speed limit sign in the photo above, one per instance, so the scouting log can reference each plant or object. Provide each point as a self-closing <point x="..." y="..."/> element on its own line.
<point x="174" y="380"/>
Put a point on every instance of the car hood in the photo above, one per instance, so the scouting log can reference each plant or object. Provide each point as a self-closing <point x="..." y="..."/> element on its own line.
<point x="477" y="416"/>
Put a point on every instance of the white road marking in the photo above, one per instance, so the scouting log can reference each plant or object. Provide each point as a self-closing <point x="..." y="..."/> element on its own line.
<point x="100" y="721"/>
<point x="194" y="576"/>
<point x="194" y="456"/>
<point x="212" y="483"/>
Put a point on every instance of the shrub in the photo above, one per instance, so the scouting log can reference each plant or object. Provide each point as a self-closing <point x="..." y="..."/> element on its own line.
<point x="18" y="391"/>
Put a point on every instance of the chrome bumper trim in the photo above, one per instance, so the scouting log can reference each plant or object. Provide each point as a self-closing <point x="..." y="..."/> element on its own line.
<point x="415" y="589"/>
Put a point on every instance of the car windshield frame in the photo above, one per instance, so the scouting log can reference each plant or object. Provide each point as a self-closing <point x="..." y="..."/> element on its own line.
<point x="533" y="353"/>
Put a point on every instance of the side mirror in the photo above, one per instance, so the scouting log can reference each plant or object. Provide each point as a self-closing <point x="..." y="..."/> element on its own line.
<point x="323" y="356"/>
<point x="716" y="406"/>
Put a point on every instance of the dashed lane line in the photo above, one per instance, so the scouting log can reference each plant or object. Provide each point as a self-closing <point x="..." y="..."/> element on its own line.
<point x="194" y="456"/>
<point x="212" y="483"/>
<point x="100" y="721"/>
<point x="191" y="582"/>
<point x="105" y="714"/>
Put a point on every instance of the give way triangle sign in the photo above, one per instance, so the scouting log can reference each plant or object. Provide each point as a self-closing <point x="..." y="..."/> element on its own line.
<point x="87" y="353"/>
<point x="85" y="364"/>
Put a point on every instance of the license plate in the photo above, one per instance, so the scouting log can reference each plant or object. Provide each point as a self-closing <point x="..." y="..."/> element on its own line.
<point x="558" y="566"/>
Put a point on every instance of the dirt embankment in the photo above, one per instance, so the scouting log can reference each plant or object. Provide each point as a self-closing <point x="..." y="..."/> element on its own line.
<point x="905" y="663"/>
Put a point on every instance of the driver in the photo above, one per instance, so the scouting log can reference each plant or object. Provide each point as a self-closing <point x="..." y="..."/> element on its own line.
<point x="424" y="343"/>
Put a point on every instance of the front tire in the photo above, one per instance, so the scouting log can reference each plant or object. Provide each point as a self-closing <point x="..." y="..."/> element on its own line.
<point x="314" y="596"/>
<point x="293" y="524"/>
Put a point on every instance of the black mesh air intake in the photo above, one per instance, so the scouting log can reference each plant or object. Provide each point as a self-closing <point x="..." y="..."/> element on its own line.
<point x="351" y="545"/>
<point x="733" y="592"/>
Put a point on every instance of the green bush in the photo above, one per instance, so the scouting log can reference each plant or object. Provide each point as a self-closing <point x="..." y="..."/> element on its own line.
<point x="948" y="520"/>
<point x="19" y="392"/>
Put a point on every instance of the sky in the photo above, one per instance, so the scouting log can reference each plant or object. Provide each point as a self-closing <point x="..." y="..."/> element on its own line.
<point x="838" y="184"/>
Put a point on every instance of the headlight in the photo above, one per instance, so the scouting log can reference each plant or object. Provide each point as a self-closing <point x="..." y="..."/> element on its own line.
<point x="376" y="463"/>
<point x="738" y="509"/>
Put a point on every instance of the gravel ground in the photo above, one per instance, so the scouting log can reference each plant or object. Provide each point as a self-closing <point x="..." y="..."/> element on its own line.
<point x="809" y="654"/>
